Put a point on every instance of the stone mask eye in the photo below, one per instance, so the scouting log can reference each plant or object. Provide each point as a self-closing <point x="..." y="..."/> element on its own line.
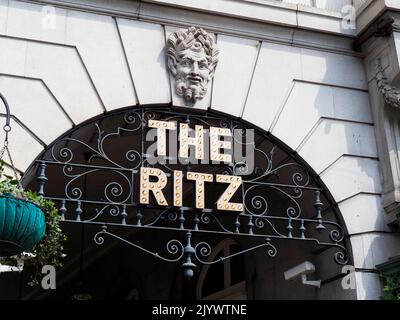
<point x="186" y="63"/>
<point x="203" y="66"/>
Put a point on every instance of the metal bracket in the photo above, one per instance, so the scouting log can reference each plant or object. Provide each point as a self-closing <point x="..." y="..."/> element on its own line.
<point x="315" y="283"/>
<point x="7" y="127"/>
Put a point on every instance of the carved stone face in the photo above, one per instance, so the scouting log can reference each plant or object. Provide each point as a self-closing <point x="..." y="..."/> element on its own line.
<point x="192" y="75"/>
<point x="192" y="58"/>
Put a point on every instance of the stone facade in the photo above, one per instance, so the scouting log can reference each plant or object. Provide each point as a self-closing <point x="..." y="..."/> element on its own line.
<point x="288" y="68"/>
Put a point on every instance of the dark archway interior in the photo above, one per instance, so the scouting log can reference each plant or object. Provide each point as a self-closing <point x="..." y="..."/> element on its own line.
<point x="96" y="164"/>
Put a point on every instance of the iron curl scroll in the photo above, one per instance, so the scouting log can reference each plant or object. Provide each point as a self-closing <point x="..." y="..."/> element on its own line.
<point x="63" y="150"/>
<point x="173" y="247"/>
<point x="183" y="250"/>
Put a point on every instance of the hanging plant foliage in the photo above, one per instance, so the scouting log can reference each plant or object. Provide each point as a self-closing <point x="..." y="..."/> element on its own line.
<point x="28" y="222"/>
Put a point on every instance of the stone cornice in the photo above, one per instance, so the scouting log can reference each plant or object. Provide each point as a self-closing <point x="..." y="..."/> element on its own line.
<point x="390" y="93"/>
<point x="275" y="13"/>
<point x="382" y="27"/>
<point x="371" y="11"/>
<point x="294" y="30"/>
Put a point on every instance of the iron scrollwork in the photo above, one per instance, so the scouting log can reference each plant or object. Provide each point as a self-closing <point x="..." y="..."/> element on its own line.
<point x="280" y="198"/>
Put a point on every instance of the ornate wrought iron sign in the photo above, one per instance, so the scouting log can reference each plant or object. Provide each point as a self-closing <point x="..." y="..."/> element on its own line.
<point x="118" y="171"/>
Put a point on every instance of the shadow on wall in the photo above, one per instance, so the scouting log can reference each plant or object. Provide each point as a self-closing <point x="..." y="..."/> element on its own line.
<point x="329" y="112"/>
<point x="326" y="118"/>
<point x="346" y="159"/>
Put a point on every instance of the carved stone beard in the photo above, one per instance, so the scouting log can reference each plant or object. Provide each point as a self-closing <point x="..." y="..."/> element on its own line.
<point x="190" y="91"/>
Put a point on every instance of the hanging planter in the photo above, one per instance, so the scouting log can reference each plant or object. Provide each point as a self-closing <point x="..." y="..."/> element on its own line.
<point x="22" y="222"/>
<point x="22" y="225"/>
<point x="28" y="222"/>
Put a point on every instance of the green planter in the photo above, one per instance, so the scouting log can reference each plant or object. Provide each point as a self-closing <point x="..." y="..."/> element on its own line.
<point x="22" y="225"/>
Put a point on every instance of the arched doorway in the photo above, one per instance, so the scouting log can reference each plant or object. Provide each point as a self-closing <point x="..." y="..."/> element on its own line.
<point x="282" y="215"/>
<point x="231" y="272"/>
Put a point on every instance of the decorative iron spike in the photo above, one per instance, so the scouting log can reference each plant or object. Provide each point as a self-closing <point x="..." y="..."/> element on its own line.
<point x="63" y="210"/>
<point x="302" y="230"/>
<point x="250" y="224"/>
<point x="181" y="220"/>
<point x="78" y="211"/>
<point x="189" y="251"/>
<point x="196" y="221"/>
<point x="41" y="178"/>
<point x="289" y="228"/>
<point x="139" y="216"/>
<point x="237" y="224"/>
<point x="318" y="205"/>
<point x="123" y="215"/>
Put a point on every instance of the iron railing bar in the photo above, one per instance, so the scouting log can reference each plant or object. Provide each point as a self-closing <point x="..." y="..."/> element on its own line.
<point x="86" y="166"/>
<point x="332" y="244"/>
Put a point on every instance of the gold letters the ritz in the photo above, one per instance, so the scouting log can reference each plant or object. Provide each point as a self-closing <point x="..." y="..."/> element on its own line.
<point x="159" y="178"/>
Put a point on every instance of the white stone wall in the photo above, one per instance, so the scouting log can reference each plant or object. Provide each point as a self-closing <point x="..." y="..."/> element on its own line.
<point x="314" y="100"/>
<point x="333" y="5"/>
